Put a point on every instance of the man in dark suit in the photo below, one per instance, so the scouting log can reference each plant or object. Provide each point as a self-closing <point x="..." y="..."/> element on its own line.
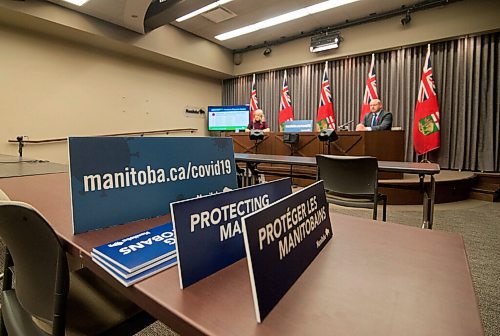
<point x="377" y="120"/>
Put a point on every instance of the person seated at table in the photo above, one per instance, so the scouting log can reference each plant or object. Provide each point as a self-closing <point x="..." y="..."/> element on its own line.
<point x="377" y="120"/>
<point x="258" y="122"/>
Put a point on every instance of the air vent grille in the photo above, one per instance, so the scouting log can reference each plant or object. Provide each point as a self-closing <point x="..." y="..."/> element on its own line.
<point x="219" y="14"/>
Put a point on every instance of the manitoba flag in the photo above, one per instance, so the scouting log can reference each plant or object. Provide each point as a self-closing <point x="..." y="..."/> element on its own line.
<point x="370" y="90"/>
<point x="254" y="102"/>
<point x="286" y="111"/>
<point x="325" y="117"/>
<point x="426" y="136"/>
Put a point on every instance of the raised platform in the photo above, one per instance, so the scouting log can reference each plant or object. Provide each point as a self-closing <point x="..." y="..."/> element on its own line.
<point x="451" y="186"/>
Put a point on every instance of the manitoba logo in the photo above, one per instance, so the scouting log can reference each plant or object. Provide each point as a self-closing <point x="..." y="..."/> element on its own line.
<point x="429" y="124"/>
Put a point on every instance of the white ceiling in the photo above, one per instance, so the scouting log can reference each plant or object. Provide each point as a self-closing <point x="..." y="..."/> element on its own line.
<point x="133" y="13"/>
<point x="249" y="12"/>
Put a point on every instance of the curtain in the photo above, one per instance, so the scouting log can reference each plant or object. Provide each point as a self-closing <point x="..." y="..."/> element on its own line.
<point x="467" y="81"/>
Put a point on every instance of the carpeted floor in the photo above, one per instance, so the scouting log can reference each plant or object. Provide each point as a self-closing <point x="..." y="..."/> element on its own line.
<point x="479" y="224"/>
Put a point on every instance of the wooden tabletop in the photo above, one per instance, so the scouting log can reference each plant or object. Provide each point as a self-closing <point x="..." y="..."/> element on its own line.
<point x="387" y="166"/>
<point x="11" y="166"/>
<point x="373" y="278"/>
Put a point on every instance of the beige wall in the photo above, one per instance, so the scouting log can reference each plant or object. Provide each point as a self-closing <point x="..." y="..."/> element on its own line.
<point x="53" y="88"/>
<point x="456" y="19"/>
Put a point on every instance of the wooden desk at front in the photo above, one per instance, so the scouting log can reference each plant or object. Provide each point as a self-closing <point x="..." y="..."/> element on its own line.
<point x="373" y="278"/>
<point x="384" y="145"/>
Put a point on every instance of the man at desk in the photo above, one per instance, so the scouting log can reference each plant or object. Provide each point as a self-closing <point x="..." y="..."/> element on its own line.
<point x="258" y="122"/>
<point x="377" y="120"/>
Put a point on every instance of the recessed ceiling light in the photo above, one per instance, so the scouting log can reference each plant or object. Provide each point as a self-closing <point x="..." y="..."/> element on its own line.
<point x="203" y="10"/>
<point x="296" y="14"/>
<point x="76" y="2"/>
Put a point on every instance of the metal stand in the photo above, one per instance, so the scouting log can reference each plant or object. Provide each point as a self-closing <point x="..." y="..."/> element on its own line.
<point x="257" y="142"/>
<point x="424" y="159"/>
<point x="21" y="145"/>
<point x="328" y="143"/>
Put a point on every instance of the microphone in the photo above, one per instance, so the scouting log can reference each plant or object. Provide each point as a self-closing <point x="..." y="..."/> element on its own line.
<point x="20" y="140"/>
<point x="344" y="127"/>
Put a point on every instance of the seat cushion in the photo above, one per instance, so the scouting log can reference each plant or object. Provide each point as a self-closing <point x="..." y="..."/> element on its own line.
<point x="361" y="202"/>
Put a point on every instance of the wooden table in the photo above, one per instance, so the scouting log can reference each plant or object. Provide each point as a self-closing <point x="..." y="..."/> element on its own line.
<point x="421" y="169"/>
<point x="373" y="278"/>
<point x="11" y="166"/>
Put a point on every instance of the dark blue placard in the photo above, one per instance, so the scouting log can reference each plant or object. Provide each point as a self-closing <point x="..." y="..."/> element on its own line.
<point x="140" y="249"/>
<point x="128" y="281"/>
<point x="208" y="229"/>
<point x="132" y="186"/>
<point x="281" y="241"/>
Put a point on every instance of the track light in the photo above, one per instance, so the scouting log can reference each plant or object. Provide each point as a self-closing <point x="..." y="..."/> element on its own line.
<point x="406" y="19"/>
<point x="268" y="51"/>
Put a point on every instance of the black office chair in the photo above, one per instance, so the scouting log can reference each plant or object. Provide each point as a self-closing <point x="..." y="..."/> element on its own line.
<point x="42" y="297"/>
<point x="351" y="181"/>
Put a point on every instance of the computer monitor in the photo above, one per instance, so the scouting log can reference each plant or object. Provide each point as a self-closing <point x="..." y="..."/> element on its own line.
<point x="228" y="118"/>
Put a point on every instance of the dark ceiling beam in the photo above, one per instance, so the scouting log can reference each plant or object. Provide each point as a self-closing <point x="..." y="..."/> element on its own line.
<point x="163" y="12"/>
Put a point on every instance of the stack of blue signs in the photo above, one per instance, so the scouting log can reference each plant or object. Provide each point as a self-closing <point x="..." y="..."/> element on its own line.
<point x="141" y="255"/>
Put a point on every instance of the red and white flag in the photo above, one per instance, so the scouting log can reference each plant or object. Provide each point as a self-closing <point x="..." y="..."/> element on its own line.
<point x="426" y="135"/>
<point x="286" y="111"/>
<point x="325" y="117"/>
<point x="254" y="102"/>
<point x="370" y="90"/>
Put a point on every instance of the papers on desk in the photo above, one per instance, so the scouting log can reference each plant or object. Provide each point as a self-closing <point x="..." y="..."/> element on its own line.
<point x="138" y="256"/>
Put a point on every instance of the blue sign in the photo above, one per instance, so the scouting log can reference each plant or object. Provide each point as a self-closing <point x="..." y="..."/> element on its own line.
<point x="136" y="276"/>
<point x="208" y="229"/>
<point x="281" y="241"/>
<point x="115" y="180"/>
<point x="296" y="126"/>
<point x="140" y="249"/>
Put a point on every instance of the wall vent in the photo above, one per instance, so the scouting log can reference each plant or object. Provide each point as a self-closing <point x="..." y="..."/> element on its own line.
<point x="219" y="14"/>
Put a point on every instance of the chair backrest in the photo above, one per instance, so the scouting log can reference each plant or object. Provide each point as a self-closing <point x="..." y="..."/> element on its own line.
<point x="41" y="269"/>
<point x="348" y="175"/>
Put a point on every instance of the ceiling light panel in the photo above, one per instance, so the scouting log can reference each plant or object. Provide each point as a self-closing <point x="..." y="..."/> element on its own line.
<point x="294" y="15"/>
<point x="76" y="2"/>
